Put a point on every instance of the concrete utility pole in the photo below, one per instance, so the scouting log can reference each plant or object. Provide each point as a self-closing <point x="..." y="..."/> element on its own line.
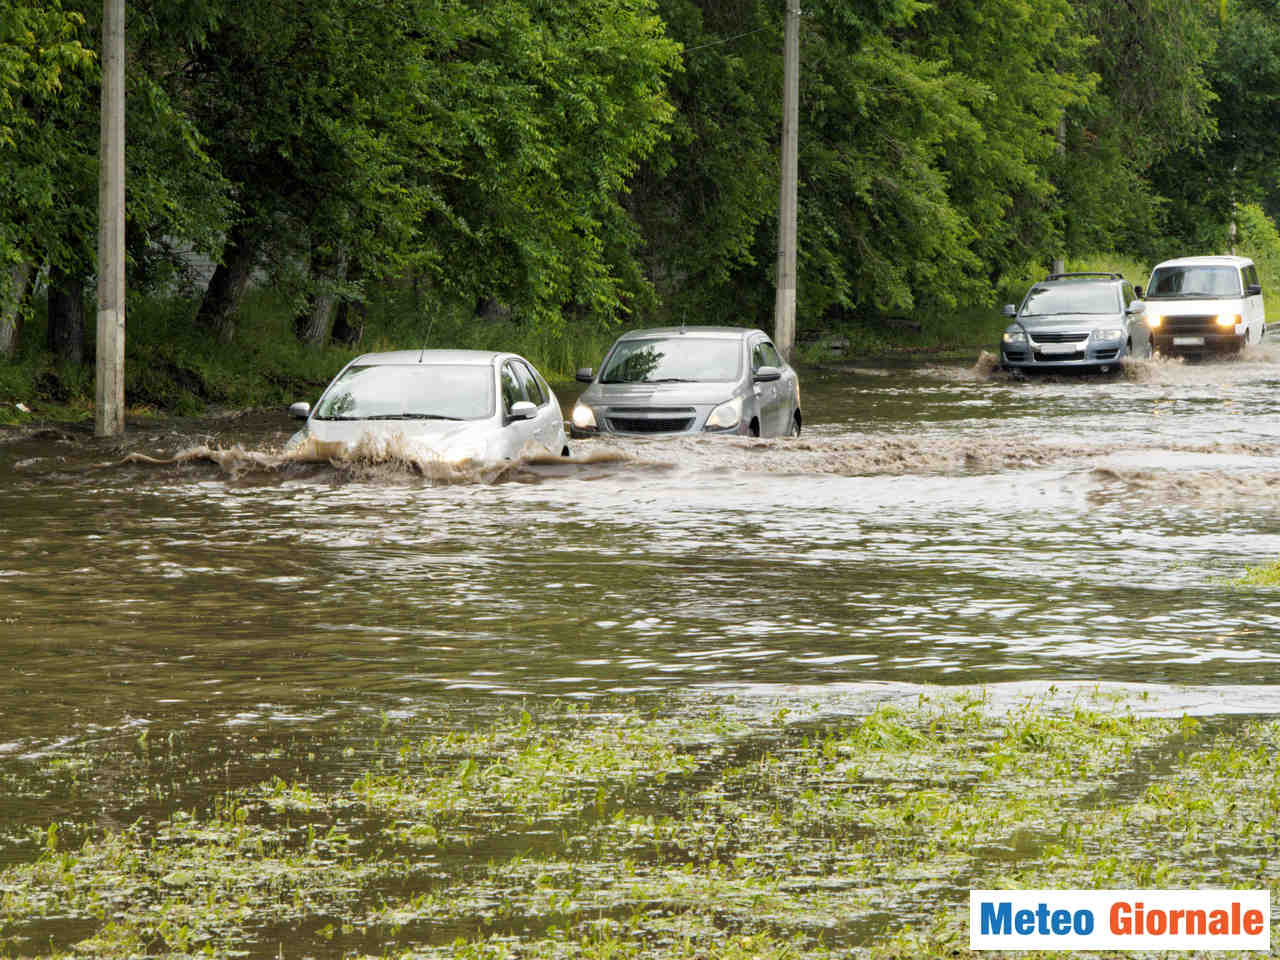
<point x="784" y="313"/>
<point x="109" y="401"/>
<point x="1059" y="262"/>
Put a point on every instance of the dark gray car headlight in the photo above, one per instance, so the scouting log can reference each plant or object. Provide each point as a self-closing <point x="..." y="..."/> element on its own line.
<point x="584" y="418"/>
<point x="1017" y="337"/>
<point x="725" y="416"/>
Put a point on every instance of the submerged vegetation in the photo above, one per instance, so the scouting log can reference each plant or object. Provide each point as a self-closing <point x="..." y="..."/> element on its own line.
<point x="715" y="833"/>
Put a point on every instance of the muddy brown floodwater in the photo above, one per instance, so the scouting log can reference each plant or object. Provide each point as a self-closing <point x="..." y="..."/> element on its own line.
<point x="933" y="525"/>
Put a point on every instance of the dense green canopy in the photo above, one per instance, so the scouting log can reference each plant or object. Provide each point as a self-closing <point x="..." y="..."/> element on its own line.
<point x="580" y="161"/>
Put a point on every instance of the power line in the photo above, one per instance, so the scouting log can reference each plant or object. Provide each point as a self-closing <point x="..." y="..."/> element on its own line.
<point x="718" y="43"/>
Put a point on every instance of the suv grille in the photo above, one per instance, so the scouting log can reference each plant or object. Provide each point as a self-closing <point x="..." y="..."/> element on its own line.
<point x="1059" y="337"/>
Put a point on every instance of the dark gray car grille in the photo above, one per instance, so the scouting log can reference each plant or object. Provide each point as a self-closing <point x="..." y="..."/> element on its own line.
<point x="1040" y="337"/>
<point x="650" y="419"/>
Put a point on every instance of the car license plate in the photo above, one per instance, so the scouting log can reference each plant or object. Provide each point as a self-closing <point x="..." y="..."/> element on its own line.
<point x="1051" y="348"/>
<point x="1188" y="341"/>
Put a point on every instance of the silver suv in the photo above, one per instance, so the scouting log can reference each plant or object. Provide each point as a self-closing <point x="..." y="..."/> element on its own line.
<point x="1075" y="320"/>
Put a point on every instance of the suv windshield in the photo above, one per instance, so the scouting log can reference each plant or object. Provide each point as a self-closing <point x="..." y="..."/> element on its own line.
<point x="675" y="360"/>
<point x="1070" y="298"/>
<point x="1194" y="281"/>
<point x="410" y="392"/>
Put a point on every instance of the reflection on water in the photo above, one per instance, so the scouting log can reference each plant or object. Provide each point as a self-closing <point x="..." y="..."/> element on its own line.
<point x="950" y="525"/>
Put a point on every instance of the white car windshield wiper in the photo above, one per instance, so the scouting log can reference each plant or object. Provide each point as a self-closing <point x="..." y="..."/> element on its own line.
<point x="405" y="416"/>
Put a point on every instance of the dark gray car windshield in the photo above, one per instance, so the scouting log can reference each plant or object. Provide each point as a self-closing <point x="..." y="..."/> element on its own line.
<point x="434" y="391"/>
<point x="1070" y="298"/>
<point x="674" y="360"/>
<point x="1194" y="281"/>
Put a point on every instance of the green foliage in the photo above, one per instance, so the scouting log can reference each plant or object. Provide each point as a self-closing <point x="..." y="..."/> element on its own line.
<point x="1203" y="182"/>
<point x="1258" y="238"/>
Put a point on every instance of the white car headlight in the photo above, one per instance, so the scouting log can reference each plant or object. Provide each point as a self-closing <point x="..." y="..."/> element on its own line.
<point x="583" y="416"/>
<point x="1110" y="333"/>
<point x="464" y="450"/>
<point x="727" y="415"/>
<point x="1015" y="336"/>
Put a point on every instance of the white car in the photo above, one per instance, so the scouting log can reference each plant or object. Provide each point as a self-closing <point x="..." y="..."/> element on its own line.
<point x="1201" y="305"/>
<point x="452" y="405"/>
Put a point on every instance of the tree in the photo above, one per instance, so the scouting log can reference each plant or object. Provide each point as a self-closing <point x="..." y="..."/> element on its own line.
<point x="483" y="145"/>
<point x="1203" y="183"/>
<point x="43" y="68"/>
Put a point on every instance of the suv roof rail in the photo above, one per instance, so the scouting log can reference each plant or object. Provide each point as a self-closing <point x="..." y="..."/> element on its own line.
<point x="1088" y="273"/>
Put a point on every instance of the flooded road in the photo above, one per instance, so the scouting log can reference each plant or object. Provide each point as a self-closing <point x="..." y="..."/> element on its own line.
<point x="934" y="525"/>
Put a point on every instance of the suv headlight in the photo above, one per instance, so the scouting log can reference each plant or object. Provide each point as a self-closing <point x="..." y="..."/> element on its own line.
<point x="584" y="418"/>
<point x="727" y="415"/>
<point x="1109" y="333"/>
<point x="1015" y="336"/>
<point x="1229" y="319"/>
<point x="1153" y="320"/>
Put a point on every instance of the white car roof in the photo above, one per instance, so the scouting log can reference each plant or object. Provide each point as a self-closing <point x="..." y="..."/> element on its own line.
<point x="477" y="357"/>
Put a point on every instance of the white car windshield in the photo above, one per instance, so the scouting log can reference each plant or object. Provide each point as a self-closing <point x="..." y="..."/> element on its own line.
<point x="1194" y="281"/>
<point x="431" y="391"/>
<point x="1070" y="298"/>
<point x="675" y="360"/>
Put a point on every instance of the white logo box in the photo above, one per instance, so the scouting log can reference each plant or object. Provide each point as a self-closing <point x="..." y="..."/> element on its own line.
<point x="1120" y="920"/>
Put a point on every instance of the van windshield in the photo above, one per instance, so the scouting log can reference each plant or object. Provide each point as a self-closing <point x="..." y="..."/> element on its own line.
<point x="1194" y="281"/>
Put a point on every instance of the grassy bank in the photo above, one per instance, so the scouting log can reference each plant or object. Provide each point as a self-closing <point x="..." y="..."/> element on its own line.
<point x="171" y="367"/>
<point x="713" y="834"/>
<point x="954" y="333"/>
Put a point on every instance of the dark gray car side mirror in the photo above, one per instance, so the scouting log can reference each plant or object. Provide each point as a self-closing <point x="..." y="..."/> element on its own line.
<point x="1010" y="310"/>
<point x="584" y="375"/>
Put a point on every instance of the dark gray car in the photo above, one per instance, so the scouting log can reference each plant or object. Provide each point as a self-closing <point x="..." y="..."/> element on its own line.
<point x="1082" y="320"/>
<point x="690" y="380"/>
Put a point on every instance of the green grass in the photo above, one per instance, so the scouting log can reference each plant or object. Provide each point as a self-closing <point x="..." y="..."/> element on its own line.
<point x="958" y="332"/>
<point x="1267" y="575"/>
<point x="709" y="834"/>
<point x="173" y="367"/>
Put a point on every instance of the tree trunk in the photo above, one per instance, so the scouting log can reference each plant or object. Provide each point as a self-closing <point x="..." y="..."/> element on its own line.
<point x="313" y="324"/>
<point x="66" y="316"/>
<point x="228" y="284"/>
<point x="13" y="291"/>
<point x="348" y="325"/>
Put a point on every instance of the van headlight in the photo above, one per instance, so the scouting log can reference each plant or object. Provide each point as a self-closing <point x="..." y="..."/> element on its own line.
<point x="584" y="418"/>
<point x="725" y="416"/>
<point x="1153" y="320"/>
<point x="1229" y="319"/>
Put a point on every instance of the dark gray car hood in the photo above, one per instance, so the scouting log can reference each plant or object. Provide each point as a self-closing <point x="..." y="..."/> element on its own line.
<point x="658" y="394"/>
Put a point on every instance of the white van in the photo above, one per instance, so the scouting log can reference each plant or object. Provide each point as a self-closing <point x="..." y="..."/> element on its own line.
<point x="1201" y="305"/>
